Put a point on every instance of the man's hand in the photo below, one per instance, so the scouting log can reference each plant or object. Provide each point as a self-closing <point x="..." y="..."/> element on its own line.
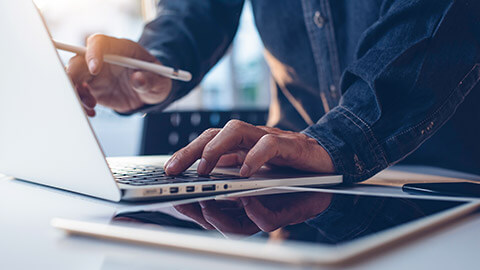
<point x="239" y="143"/>
<point x="249" y="215"/>
<point x="112" y="86"/>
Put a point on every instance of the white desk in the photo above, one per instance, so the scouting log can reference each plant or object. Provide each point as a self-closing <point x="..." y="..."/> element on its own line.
<point x="27" y="241"/>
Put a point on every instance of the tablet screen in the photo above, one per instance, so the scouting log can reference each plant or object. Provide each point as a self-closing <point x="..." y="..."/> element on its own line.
<point x="313" y="217"/>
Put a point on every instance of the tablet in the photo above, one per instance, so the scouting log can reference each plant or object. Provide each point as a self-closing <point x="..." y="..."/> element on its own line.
<point x="310" y="227"/>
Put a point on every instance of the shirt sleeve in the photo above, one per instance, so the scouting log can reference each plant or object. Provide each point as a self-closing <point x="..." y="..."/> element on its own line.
<point x="413" y="68"/>
<point x="190" y="35"/>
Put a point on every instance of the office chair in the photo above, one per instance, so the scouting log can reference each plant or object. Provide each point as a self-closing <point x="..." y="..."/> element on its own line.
<point x="165" y="133"/>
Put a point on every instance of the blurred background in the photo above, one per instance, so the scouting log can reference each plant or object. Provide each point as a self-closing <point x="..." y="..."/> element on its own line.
<point x="237" y="87"/>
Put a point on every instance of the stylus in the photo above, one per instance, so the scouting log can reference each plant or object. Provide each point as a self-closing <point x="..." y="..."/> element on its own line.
<point x="165" y="71"/>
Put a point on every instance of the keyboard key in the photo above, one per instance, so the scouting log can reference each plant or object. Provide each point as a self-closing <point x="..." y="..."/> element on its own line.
<point x="137" y="184"/>
<point x="192" y="179"/>
<point x="123" y="182"/>
<point x="225" y="177"/>
<point x="141" y="175"/>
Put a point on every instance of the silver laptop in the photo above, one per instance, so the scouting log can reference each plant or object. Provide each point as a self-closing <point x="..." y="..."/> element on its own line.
<point x="46" y="138"/>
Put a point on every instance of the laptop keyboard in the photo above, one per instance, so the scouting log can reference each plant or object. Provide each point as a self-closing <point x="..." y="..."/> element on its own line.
<point x="144" y="175"/>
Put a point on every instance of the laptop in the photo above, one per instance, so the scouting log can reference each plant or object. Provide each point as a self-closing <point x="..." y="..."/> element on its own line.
<point x="46" y="137"/>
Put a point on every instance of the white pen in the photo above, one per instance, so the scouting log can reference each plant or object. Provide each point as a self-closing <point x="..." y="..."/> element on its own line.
<point x="127" y="62"/>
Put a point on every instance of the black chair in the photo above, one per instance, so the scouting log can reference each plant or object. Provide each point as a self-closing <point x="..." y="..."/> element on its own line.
<point x="166" y="132"/>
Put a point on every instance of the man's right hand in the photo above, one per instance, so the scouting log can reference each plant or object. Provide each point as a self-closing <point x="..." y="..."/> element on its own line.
<point x="116" y="87"/>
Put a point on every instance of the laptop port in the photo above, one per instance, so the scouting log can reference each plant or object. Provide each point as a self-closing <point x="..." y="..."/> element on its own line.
<point x="208" y="188"/>
<point x="190" y="188"/>
<point x="173" y="190"/>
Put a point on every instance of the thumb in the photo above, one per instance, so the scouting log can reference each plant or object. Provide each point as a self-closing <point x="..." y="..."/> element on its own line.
<point x="264" y="218"/>
<point x="150" y="87"/>
<point x="96" y="46"/>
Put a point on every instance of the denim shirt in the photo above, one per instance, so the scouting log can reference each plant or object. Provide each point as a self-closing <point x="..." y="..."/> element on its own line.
<point x="375" y="82"/>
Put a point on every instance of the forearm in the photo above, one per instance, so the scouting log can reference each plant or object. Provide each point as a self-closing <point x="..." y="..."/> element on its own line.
<point x="191" y="35"/>
<point x="414" y="68"/>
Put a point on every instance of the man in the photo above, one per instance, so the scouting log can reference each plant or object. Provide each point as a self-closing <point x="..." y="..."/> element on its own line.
<point x="358" y="85"/>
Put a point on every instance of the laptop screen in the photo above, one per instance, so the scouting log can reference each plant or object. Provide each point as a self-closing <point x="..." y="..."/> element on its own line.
<point x="313" y="217"/>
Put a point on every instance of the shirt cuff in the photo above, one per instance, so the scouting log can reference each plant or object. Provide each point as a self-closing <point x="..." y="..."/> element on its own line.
<point x="350" y="142"/>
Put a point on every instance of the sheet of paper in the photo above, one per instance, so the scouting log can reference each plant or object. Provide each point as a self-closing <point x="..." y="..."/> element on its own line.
<point x="397" y="177"/>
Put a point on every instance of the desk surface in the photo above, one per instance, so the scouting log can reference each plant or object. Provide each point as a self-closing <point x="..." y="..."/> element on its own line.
<point x="27" y="241"/>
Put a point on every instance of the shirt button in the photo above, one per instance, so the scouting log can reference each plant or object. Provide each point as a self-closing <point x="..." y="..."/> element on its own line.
<point x="333" y="89"/>
<point x="318" y="19"/>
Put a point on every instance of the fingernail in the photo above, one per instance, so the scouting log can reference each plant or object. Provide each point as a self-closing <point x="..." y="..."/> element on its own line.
<point x="202" y="166"/>
<point x="168" y="162"/>
<point x="86" y="103"/>
<point x="92" y="65"/>
<point x="171" y="165"/>
<point x="245" y="170"/>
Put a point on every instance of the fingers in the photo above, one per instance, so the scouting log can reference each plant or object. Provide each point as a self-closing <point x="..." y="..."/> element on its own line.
<point x="267" y="148"/>
<point x="132" y="88"/>
<point x="77" y="70"/>
<point x="276" y="131"/>
<point x="263" y="217"/>
<point x="211" y="145"/>
<point x="271" y="213"/>
<point x="228" y="217"/>
<point x="185" y="157"/>
<point x="87" y="99"/>
<point x="194" y="212"/>
<point x="96" y="47"/>
<point x="150" y="87"/>
<point x="236" y="134"/>
<point x="224" y="216"/>
<point x="79" y="74"/>
<point x="141" y="81"/>
<point x="290" y="149"/>
<point x="232" y="159"/>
